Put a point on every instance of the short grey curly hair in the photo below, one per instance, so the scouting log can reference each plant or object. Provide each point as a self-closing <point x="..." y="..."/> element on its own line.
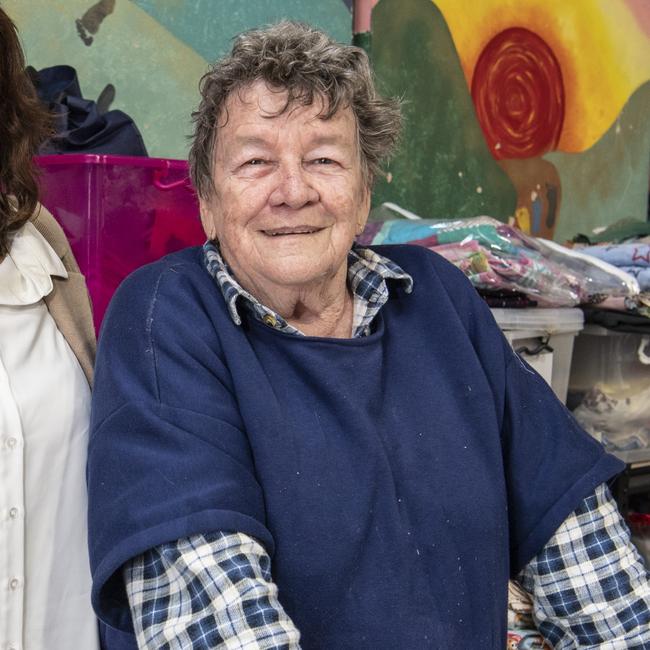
<point x="309" y="65"/>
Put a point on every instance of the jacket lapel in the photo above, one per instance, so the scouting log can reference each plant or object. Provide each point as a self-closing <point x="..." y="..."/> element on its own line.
<point x="69" y="303"/>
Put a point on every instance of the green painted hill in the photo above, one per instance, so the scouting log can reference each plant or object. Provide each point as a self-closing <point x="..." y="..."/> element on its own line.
<point x="444" y="168"/>
<point x="609" y="181"/>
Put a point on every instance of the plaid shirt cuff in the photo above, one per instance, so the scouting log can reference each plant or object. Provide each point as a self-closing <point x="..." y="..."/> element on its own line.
<point x="207" y="591"/>
<point x="589" y="585"/>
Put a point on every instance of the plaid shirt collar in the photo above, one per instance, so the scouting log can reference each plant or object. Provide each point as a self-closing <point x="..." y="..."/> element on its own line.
<point x="367" y="275"/>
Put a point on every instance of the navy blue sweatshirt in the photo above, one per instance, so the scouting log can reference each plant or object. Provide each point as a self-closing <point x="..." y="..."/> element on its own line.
<point x="396" y="480"/>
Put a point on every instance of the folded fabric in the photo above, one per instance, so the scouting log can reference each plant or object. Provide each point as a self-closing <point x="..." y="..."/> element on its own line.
<point x="498" y="257"/>
<point x="532" y="276"/>
<point x="617" y="232"/>
<point x="636" y="254"/>
<point x="618" y="321"/>
<point x="641" y="273"/>
<point x="506" y="299"/>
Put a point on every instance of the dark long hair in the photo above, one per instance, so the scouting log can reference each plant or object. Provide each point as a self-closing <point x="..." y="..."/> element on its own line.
<point x="24" y="124"/>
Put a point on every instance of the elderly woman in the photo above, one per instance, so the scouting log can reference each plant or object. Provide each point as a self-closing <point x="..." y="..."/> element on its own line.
<point x="47" y="344"/>
<point x="300" y="441"/>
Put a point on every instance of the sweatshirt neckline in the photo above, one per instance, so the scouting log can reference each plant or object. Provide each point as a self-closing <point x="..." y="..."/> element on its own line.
<point x="359" y="341"/>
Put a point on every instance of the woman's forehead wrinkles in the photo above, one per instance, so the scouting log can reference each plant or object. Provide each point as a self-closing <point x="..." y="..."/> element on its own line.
<point x="256" y="119"/>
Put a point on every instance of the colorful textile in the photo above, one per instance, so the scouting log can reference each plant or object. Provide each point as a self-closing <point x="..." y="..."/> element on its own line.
<point x="526" y="274"/>
<point x="496" y="256"/>
<point x="526" y="640"/>
<point x="621" y="254"/>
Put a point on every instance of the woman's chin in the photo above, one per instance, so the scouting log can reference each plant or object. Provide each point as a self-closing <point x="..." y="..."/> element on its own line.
<point x="298" y="271"/>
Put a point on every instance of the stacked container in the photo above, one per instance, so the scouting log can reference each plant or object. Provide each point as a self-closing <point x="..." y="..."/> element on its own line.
<point x="119" y="212"/>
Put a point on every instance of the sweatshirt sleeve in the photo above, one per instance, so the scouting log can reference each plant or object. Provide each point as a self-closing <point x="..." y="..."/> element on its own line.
<point x="168" y="457"/>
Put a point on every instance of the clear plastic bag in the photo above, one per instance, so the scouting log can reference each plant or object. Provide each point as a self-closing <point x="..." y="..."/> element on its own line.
<point x="496" y="256"/>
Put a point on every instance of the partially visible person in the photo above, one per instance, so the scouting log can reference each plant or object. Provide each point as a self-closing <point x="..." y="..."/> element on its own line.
<point x="47" y="346"/>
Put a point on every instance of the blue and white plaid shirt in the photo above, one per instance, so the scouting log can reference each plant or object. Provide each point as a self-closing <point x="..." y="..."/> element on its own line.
<point x="589" y="585"/>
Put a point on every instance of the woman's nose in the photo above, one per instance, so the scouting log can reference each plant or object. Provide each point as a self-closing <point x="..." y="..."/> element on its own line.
<point x="294" y="188"/>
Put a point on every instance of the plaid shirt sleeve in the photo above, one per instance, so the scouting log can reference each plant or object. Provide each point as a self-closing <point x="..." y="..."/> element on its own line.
<point x="589" y="585"/>
<point x="207" y="591"/>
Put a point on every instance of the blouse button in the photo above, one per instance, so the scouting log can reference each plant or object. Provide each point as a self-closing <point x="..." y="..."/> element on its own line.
<point x="14" y="583"/>
<point x="13" y="513"/>
<point x="11" y="443"/>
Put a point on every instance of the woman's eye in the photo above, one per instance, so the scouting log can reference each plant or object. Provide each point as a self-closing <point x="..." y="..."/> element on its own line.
<point x="255" y="161"/>
<point x="324" y="161"/>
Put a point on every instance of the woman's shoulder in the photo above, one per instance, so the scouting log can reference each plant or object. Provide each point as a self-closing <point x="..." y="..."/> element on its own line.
<point x="172" y="273"/>
<point x="50" y="229"/>
<point x="172" y="286"/>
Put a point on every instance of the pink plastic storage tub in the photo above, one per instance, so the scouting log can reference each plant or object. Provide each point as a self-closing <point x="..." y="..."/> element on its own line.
<point x="119" y="212"/>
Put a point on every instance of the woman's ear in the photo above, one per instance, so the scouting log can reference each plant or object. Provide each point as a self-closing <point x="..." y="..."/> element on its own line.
<point x="362" y="217"/>
<point x="207" y="220"/>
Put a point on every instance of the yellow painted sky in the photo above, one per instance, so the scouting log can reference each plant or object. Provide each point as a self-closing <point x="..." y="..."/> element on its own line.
<point x="603" y="53"/>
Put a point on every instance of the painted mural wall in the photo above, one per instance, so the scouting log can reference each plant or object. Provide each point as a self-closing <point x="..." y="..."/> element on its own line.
<point x="534" y="109"/>
<point x="153" y="51"/>
<point x="528" y="108"/>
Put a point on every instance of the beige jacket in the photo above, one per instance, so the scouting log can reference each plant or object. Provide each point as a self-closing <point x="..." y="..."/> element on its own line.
<point x="69" y="303"/>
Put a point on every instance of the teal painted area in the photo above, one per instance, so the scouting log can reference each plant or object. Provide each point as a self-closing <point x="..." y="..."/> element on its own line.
<point x="208" y="26"/>
<point x="155" y="75"/>
<point x="363" y="40"/>
<point x="155" y="52"/>
<point x="609" y="181"/>
<point x="443" y="168"/>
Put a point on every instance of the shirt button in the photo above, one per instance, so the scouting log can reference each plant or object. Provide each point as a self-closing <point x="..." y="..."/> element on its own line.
<point x="270" y="320"/>
<point x="13" y="513"/>
<point x="14" y="583"/>
<point x="11" y="442"/>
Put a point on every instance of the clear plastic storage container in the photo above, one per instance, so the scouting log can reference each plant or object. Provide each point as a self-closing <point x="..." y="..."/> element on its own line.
<point x="617" y="360"/>
<point x="544" y="338"/>
<point x="119" y="212"/>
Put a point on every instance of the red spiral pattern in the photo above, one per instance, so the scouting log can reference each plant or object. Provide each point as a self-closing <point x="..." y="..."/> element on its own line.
<point x="518" y="94"/>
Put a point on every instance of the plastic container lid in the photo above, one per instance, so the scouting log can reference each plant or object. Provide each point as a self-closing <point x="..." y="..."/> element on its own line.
<point x="553" y="321"/>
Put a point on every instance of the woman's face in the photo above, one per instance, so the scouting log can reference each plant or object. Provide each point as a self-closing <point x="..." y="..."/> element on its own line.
<point x="290" y="195"/>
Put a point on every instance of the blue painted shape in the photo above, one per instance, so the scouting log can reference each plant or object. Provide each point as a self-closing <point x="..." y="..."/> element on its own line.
<point x="208" y="26"/>
<point x="537" y="215"/>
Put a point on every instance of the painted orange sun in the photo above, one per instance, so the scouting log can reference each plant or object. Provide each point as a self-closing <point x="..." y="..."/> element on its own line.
<point x="571" y="66"/>
<point x="518" y="93"/>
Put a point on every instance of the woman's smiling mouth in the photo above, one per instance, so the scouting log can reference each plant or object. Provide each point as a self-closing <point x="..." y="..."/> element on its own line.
<point x="291" y="230"/>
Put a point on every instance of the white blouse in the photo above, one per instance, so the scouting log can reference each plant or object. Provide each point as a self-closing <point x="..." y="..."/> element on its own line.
<point x="44" y="412"/>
